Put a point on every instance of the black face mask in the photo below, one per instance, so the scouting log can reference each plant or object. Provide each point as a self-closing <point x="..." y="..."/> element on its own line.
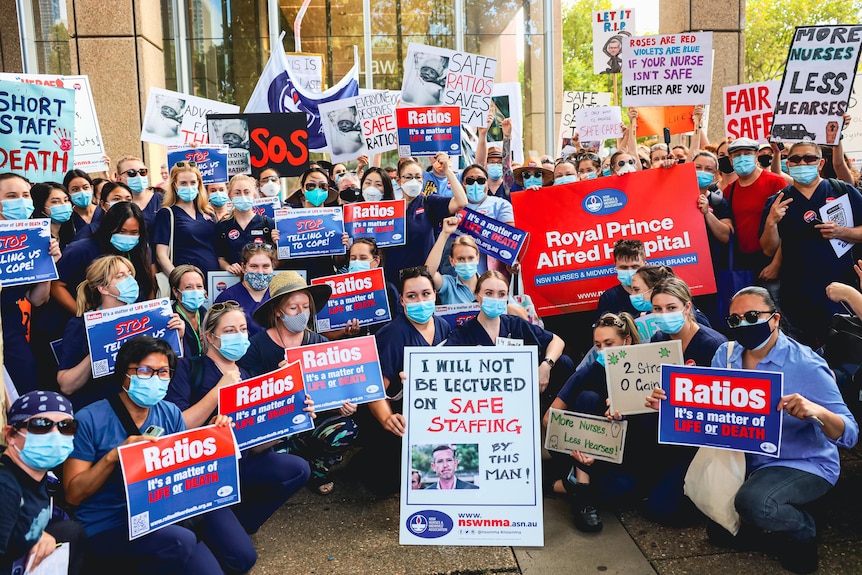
<point x="725" y="165"/>
<point x="764" y="161"/>
<point x="752" y="337"/>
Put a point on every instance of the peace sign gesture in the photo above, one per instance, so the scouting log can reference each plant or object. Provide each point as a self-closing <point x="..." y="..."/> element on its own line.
<point x="779" y="208"/>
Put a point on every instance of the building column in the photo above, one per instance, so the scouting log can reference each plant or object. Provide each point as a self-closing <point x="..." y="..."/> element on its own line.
<point x="534" y="78"/>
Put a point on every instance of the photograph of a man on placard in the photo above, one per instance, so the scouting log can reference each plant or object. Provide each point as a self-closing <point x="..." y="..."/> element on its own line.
<point x="443" y="462"/>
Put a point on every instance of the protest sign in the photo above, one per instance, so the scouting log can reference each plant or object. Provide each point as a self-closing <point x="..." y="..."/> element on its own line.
<point x="599" y="123"/>
<point x="647" y="326"/>
<point x="574" y="101"/>
<point x="266" y="207"/>
<point x="748" y="110"/>
<point x="506" y="104"/>
<point x="440" y="77"/>
<point x="426" y="131"/>
<point x="383" y="221"/>
<point x="336" y="372"/>
<point x="108" y="330"/>
<point x="590" y="434"/>
<point x="668" y="70"/>
<point x="210" y="160"/>
<point x="457" y="314"/>
<point x="852" y="139"/>
<point x="632" y="371"/>
<point x="179" y="476"/>
<point x="256" y="141"/>
<point x="839" y="211"/>
<point x="569" y="260"/>
<point x="308" y="232"/>
<point x="179" y="119"/>
<point x="307" y="70"/>
<point x="483" y="404"/>
<point x="610" y="28"/>
<point x="817" y="83"/>
<point x="652" y="120"/>
<point x="494" y="238"/>
<point x="359" y="295"/>
<point x="724" y="408"/>
<point x="363" y="124"/>
<point x="37" y="124"/>
<point x="24" y="257"/>
<point x="266" y="407"/>
<point x="88" y="147"/>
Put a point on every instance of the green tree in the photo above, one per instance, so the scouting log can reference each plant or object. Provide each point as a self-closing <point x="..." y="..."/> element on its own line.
<point x="769" y="26"/>
<point x="577" y="31"/>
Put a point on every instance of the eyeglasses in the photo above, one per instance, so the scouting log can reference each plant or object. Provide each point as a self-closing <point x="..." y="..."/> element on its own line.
<point x="310" y="186"/>
<point x="803" y="159"/>
<point x="43" y="425"/>
<point x="186" y="164"/>
<point x="269" y="179"/>
<point x="586" y="156"/>
<point x="733" y="320"/>
<point x="532" y="174"/>
<point x="608" y="321"/>
<point x="471" y="180"/>
<point x="621" y="163"/>
<point x="414" y="272"/>
<point x="133" y="173"/>
<point x="223" y="305"/>
<point x="409" y="177"/>
<point x="145" y="372"/>
<point x="254" y="246"/>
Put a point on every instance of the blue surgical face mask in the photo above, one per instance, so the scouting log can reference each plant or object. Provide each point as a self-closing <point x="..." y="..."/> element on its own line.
<point x="17" y="208"/>
<point x="47" y="450"/>
<point x="466" y="270"/>
<point x="124" y="243"/>
<point x="138" y="183"/>
<point x="495" y="171"/>
<point x="242" y="203"/>
<point x="493" y="307"/>
<point x="82" y="199"/>
<point x="476" y="193"/>
<point x="218" y="199"/>
<point x="61" y="213"/>
<point x="565" y="180"/>
<point x="600" y="358"/>
<point x="187" y="193"/>
<point x="233" y="345"/>
<point x="639" y="302"/>
<point x="532" y="182"/>
<point x="670" y="322"/>
<point x="804" y="174"/>
<point x="606" y="171"/>
<point x="744" y="165"/>
<point x="784" y="166"/>
<point x="147" y="392"/>
<point x="589" y="175"/>
<point x="420" y="312"/>
<point x="128" y="289"/>
<point x="295" y="323"/>
<point x="192" y="299"/>
<point x="704" y="179"/>
<point x="257" y="280"/>
<point x="358" y="266"/>
<point x="316" y="196"/>
<point x="625" y="277"/>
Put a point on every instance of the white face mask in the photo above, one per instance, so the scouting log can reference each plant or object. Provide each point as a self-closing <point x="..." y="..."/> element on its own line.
<point x="411" y="188"/>
<point x="372" y="194"/>
<point x="270" y="189"/>
<point x="626" y="169"/>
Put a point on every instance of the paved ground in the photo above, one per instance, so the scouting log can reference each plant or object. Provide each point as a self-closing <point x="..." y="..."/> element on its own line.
<point x="353" y="533"/>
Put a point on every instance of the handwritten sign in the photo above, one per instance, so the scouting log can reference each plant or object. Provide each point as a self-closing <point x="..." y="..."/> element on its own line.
<point x="256" y="141"/>
<point x="632" y="371"/>
<point x="426" y="131"/>
<point x="359" y="295"/>
<point x="179" y="476"/>
<point x="179" y="119"/>
<point x="487" y="399"/>
<point x="309" y="232"/>
<point x="817" y="83"/>
<point x="590" y="434"/>
<point x="668" y="70"/>
<point x="383" y="221"/>
<point x="108" y="330"/>
<point x="307" y="70"/>
<point x="336" y="372"/>
<point x="852" y="140"/>
<point x="24" y="257"/>
<point x="610" y="28"/>
<point x="574" y="101"/>
<point x="652" y="120"/>
<point x="493" y="237"/>
<point x="37" y="127"/>
<point x="210" y="160"/>
<point x="457" y="313"/>
<point x="363" y="124"/>
<point x="647" y="326"/>
<point x="599" y="123"/>
<point x="266" y="407"/>
<point x="748" y="110"/>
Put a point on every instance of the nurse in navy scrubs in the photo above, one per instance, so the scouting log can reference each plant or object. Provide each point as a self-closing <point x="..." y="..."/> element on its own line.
<point x="257" y="269"/>
<point x="188" y="288"/>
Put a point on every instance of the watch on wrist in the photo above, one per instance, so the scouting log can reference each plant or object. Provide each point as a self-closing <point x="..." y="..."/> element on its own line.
<point x="549" y="361"/>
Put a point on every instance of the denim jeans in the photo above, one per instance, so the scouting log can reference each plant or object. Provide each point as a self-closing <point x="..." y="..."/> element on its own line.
<point x="771" y="498"/>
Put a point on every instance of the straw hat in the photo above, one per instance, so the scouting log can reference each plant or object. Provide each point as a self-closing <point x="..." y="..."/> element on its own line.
<point x="533" y="165"/>
<point x="285" y="283"/>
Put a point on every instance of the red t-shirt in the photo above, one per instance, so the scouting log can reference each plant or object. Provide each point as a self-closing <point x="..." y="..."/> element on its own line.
<point x="747" y="204"/>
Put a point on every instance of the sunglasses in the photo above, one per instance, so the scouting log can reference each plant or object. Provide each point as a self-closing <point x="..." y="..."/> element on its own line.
<point x="733" y="320"/>
<point x="621" y="163"/>
<point x="532" y="175"/>
<point x="43" y="425"/>
<point x="309" y="186"/>
<point x="608" y="321"/>
<point x="803" y="159"/>
<point x="133" y="173"/>
<point x="223" y="305"/>
<point x="547" y="161"/>
<point x="254" y="246"/>
<point x="145" y="372"/>
<point x="587" y="156"/>
<point x="471" y="180"/>
<point x="414" y="272"/>
<point x="186" y="164"/>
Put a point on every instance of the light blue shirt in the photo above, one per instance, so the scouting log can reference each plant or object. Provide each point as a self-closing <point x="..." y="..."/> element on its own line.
<point x="454" y="291"/>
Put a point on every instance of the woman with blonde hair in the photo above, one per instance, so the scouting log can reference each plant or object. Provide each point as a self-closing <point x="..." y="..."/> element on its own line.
<point x="243" y="226"/>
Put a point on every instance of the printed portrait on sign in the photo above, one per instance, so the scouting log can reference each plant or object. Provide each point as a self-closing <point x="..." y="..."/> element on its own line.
<point x="425" y="82"/>
<point x="346" y="131"/>
<point x="165" y="116"/>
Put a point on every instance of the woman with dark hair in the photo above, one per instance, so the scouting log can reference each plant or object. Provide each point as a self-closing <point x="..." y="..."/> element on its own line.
<point x="188" y="289"/>
<point x="81" y="189"/>
<point x="51" y="200"/>
<point x="109" y="193"/>
<point x="376" y="185"/>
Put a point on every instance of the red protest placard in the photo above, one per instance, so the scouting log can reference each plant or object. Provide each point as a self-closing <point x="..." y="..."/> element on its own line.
<point x="573" y="228"/>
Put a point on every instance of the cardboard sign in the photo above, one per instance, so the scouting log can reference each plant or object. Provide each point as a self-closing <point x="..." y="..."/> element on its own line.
<point x="574" y="101"/>
<point x="484" y="401"/>
<point x="632" y="371"/>
<point x="173" y="118"/>
<point x="748" y="110"/>
<point x="266" y="407"/>
<point x="457" y="313"/>
<point x="610" y="28"/>
<point x="24" y="257"/>
<point x="309" y="232"/>
<point x="817" y="83"/>
<point x="493" y="237"/>
<point x="179" y="476"/>
<point x="599" y="123"/>
<point x="358" y="295"/>
<point x="307" y="70"/>
<point x="108" y="330"/>
<point x="88" y="146"/>
<point x="37" y="125"/>
<point x="336" y="372"/>
<point x="590" y="434"/>
<point x="440" y="77"/>
<point x="668" y="70"/>
<point x="360" y="125"/>
<point x="383" y="221"/>
<point x="569" y="260"/>
<point x="426" y="131"/>
<point x="652" y="120"/>
<point x="256" y="141"/>
<point x="724" y="408"/>
<point x="210" y="160"/>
